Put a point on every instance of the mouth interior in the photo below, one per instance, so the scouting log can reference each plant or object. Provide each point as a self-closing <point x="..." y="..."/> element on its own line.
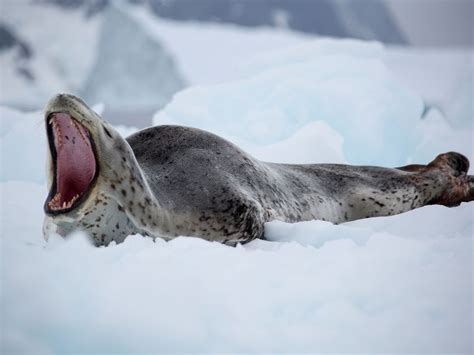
<point x="73" y="159"/>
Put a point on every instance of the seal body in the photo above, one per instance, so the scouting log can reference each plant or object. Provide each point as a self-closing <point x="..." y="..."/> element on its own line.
<point x="169" y="181"/>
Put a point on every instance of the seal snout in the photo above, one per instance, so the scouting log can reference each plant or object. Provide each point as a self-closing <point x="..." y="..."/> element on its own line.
<point x="65" y="103"/>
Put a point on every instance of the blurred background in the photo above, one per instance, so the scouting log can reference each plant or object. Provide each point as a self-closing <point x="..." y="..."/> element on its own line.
<point x="133" y="56"/>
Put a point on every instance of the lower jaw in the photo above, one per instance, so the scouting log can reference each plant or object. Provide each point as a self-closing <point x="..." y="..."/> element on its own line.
<point x="57" y="206"/>
<point x="56" y="211"/>
<point x="75" y="207"/>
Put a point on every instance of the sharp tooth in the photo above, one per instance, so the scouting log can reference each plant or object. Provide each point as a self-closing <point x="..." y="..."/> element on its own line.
<point x="76" y="124"/>
<point x="64" y="204"/>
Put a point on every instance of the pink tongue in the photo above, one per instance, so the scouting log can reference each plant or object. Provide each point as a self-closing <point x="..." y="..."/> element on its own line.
<point x="75" y="162"/>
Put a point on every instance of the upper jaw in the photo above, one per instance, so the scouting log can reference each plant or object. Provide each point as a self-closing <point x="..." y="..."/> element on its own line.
<point x="73" y="106"/>
<point x="60" y="103"/>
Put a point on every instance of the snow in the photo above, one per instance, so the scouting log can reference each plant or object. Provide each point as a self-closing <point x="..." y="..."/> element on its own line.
<point x="443" y="77"/>
<point x="440" y="136"/>
<point x="28" y="163"/>
<point x="297" y="149"/>
<point x="399" y="284"/>
<point x="395" y="284"/>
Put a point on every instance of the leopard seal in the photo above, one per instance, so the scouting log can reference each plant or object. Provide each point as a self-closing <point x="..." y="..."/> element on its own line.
<point x="169" y="181"/>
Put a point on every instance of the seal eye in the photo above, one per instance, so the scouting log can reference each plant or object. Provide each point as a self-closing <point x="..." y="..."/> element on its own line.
<point x="74" y="162"/>
<point x="107" y="132"/>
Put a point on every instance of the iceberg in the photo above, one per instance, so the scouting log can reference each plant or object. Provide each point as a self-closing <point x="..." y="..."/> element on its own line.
<point x="132" y="72"/>
<point x="342" y="83"/>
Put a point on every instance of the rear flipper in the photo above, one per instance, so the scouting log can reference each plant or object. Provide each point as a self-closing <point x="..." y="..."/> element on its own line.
<point x="449" y="170"/>
<point x="444" y="181"/>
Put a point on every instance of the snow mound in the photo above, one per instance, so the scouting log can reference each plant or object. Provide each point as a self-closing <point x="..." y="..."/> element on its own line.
<point x="316" y="142"/>
<point x="342" y="83"/>
<point x="443" y="76"/>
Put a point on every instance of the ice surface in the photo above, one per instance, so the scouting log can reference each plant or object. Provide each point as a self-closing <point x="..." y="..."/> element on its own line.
<point x="399" y="284"/>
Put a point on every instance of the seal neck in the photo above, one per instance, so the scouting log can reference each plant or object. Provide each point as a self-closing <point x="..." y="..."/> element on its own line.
<point x="128" y="185"/>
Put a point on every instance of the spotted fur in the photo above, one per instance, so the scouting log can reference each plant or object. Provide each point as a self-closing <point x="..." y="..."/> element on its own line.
<point x="168" y="181"/>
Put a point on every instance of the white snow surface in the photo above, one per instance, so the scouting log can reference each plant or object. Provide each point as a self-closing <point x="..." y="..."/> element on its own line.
<point x="397" y="284"/>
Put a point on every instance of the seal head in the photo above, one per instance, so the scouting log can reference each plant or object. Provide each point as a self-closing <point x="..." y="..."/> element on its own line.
<point x="91" y="169"/>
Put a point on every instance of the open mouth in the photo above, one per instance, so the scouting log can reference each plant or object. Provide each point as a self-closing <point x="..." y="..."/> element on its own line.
<point x="74" y="163"/>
